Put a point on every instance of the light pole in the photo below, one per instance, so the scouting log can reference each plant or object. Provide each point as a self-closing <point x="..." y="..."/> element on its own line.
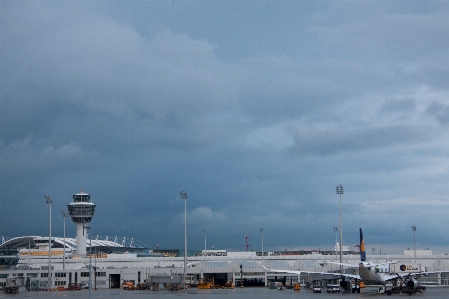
<point x="87" y="227"/>
<point x="184" y="197"/>
<point x="205" y="248"/>
<point x="64" y="214"/>
<point x="49" y="201"/>
<point x="340" y="191"/>
<point x="335" y="231"/>
<point x="261" y="231"/>
<point x="265" y="276"/>
<point x="29" y="250"/>
<point x="414" y="240"/>
<point x="95" y="267"/>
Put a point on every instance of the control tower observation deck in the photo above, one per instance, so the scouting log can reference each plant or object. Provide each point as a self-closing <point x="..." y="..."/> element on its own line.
<point x="81" y="211"/>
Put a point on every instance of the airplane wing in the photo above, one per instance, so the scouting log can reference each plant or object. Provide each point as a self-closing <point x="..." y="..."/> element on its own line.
<point x="310" y="272"/>
<point x="367" y="264"/>
<point x="343" y="264"/>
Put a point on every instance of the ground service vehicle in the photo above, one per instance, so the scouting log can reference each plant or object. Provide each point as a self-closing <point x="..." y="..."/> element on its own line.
<point x="333" y="288"/>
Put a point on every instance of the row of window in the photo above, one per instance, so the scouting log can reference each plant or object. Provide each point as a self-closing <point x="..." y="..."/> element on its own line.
<point x="81" y="210"/>
<point x="81" y="198"/>
<point x="60" y="283"/>
<point x="57" y="274"/>
<point x="86" y="274"/>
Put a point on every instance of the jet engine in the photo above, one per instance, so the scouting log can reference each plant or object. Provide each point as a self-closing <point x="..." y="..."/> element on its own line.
<point x="346" y="285"/>
<point x="411" y="283"/>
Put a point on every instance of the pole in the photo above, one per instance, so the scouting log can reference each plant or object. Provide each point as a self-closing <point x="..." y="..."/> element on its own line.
<point x="29" y="251"/>
<point x="335" y="231"/>
<point x="90" y="264"/>
<point x="64" y="214"/>
<point x="341" y="233"/>
<point x="184" y="197"/>
<point x="204" y="231"/>
<point x="340" y="191"/>
<point x="261" y="231"/>
<point x="87" y="227"/>
<point x="414" y="240"/>
<point x="95" y="267"/>
<point x="241" y="275"/>
<point x="29" y="256"/>
<point x="265" y="276"/>
<point x="49" y="201"/>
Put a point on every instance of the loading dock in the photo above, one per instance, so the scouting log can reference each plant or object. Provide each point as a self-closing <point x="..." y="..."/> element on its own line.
<point x="114" y="281"/>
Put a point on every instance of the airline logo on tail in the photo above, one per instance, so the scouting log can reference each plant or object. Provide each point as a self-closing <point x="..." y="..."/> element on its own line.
<point x="362" y="247"/>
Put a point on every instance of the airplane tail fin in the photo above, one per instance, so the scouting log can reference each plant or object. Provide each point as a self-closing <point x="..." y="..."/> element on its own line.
<point x="362" y="247"/>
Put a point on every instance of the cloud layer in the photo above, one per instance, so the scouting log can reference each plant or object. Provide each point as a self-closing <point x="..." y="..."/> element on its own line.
<point x="257" y="112"/>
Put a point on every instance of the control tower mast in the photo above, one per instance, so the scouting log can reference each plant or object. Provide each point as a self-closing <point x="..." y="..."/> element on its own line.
<point x="81" y="211"/>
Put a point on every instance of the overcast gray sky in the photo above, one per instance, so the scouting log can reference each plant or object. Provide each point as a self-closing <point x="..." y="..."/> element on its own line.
<point x="258" y="109"/>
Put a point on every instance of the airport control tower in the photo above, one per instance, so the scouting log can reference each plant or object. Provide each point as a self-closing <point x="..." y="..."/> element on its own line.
<point x="81" y="211"/>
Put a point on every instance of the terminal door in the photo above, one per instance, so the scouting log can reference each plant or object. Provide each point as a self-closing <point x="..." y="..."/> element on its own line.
<point x="114" y="281"/>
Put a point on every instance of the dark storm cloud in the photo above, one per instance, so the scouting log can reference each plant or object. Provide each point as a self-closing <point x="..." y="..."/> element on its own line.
<point x="439" y="111"/>
<point x="398" y="106"/>
<point x="324" y="142"/>
<point x="258" y="120"/>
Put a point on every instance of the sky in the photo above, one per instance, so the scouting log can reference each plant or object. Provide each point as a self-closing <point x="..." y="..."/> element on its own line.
<point x="257" y="109"/>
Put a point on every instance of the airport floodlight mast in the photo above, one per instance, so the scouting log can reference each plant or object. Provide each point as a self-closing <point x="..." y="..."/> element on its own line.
<point x="336" y="231"/>
<point x="340" y="191"/>
<point x="64" y="214"/>
<point x="184" y="197"/>
<point x="87" y="227"/>
<point x="414" y="240"/>
<point x="261" y="231"/>
<point x="205" y="248"/>
<point x="81" y="211"/>
<point x="49" y="201"/>
<point x="95" y="266"/>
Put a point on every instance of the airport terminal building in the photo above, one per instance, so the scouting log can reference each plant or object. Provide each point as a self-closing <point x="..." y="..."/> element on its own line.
<point x="109" y="263"/>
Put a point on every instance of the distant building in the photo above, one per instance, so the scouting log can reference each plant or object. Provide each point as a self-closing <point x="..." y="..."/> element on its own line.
<point x="343" y="248"/>
<point x="418" y="252"/>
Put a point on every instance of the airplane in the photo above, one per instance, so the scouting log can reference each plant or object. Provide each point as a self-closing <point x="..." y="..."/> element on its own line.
<point x="404" y="280"/>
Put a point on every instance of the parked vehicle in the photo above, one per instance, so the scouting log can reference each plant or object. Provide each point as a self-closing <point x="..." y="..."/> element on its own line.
<point x="74" y="286"/>
<point x="128" y="285"/>
<point x="335" y="288"/>
<point x="317" y="289"/>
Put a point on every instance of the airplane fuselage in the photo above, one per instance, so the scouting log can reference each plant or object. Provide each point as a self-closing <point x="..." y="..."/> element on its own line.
<point x="373" y="274"/>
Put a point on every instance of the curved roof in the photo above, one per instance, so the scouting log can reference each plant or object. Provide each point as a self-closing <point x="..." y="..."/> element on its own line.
<point x="18" y="242"/>
<point x="70" y="243"/>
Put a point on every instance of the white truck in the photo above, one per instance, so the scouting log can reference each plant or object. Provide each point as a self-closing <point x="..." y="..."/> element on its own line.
<point x="335" y="288"/>
<point x="316" y="289"/>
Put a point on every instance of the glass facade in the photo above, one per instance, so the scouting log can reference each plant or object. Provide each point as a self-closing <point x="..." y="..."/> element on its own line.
<point x="81" y="197"/>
